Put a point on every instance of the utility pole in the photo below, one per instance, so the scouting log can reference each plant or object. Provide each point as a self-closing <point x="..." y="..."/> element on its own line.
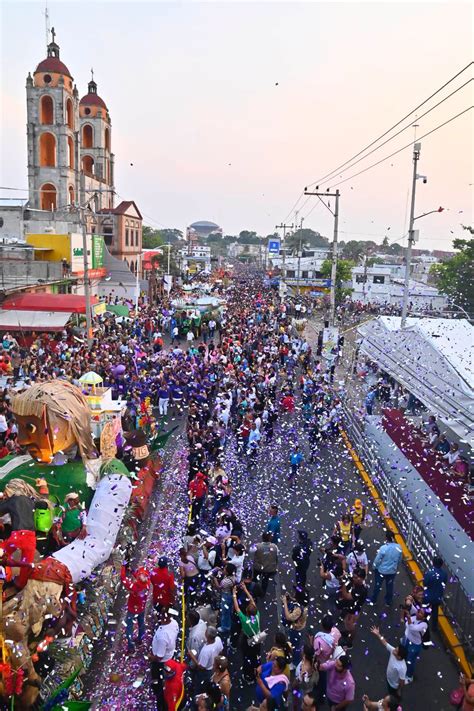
<point x="411" y="235"/>
<point x="299" y="256"/>
<point x="284" y="228"/>
<point x="335" y="214"/>
<point x="87" y="288"/>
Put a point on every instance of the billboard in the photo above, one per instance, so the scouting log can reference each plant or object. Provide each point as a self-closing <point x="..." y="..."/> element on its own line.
<point x="273" y="246"/>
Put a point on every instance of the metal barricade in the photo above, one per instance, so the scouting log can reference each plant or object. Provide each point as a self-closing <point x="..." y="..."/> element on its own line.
<point x="458" y="607"/>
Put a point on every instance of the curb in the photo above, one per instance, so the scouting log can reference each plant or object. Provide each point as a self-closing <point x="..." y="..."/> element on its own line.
<point x="445" y="627"/>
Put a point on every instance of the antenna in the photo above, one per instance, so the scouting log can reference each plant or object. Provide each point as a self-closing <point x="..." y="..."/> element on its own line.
<point x="46" y="22"/>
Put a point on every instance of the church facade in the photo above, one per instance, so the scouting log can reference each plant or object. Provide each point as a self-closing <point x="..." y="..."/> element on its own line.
<point x="71" y="163"/>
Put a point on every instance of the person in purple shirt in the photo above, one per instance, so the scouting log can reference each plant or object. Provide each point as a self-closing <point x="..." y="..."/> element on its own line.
<point x="340" y="687"/>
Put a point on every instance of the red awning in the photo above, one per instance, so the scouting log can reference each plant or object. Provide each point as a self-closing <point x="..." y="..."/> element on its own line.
<point x="66" y="303"/>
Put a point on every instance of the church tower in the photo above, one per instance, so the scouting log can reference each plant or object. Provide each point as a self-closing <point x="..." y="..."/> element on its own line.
<point x="97" y="160"/>
<point x="53" y="134"/>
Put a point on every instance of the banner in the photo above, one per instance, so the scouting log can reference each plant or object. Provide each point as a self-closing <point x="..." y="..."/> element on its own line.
<point x="273" y="246"/>
<point x="98" y="248"/>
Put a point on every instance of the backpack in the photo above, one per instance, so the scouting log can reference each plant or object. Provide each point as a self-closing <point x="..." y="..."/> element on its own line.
<point x="43" y="517"/>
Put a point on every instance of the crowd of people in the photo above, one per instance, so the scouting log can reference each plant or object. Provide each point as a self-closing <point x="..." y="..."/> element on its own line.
<point x="237" y="377"/>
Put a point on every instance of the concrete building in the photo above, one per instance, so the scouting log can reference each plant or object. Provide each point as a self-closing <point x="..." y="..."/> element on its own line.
<point x="384" y="283"/>
<point x="121" y="228"/>
<point x="249" y="252"/>
<point x="196" y="260"/>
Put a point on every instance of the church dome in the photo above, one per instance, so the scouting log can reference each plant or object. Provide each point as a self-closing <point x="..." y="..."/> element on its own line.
<point x="92" y="98"/>
<point x="52" y="63"/>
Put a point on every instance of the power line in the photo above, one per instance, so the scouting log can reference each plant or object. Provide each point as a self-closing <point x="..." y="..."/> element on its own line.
<point x="316" y="182"/>
<point x="392" y="127"/>
<point x="404" y="129"/>
<point x="441" y="125"/>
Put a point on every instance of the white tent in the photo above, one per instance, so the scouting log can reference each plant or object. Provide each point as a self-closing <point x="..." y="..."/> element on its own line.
<point x="433" y="359"/>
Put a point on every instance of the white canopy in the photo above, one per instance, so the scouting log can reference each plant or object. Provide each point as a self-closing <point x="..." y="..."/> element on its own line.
<point x="433" y="359"/>
<point x="16" y="320"/>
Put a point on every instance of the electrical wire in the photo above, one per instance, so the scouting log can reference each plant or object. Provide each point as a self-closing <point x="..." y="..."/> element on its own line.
<point x="322" y="182"/>
<point x="316" y="182"/>
<point x="441" y="125"/>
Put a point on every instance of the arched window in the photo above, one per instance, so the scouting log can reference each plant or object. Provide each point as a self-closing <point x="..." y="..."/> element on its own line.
<point x="126" y="236"/>
<point x="87" y="136"/>
<point x="47" y="146"/>
<point x="70" y="152"/>
<point x="48" y="195"/>
<point x="88" y="165"/>
<point x="69" y="114"/>
<point x="46" y="110"/>
<point x="71" y="195"/>
<point x="107" y="139"/>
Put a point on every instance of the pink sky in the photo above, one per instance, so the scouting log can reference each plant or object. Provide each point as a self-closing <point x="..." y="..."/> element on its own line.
<point x="191" y="88"/>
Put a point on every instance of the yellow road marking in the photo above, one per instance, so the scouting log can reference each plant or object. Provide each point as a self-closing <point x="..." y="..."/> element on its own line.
<point x="445" y="627"/>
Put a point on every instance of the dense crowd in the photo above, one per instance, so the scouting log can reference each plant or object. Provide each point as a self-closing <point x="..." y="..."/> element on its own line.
<point x="234" y="378"/>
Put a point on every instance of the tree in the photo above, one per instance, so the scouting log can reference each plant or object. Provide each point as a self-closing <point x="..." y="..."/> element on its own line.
<point x="307" y="238"/>
<point x="151" y="238"/>
<point x="248" y="237"/>
<point x="343" y="274"/>
<point x="354" y="249"/>
<point x="171" y="235"/>
<point x="455" y="277"/>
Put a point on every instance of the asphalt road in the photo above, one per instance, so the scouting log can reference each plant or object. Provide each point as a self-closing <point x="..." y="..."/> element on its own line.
<point x="322" y="493"/>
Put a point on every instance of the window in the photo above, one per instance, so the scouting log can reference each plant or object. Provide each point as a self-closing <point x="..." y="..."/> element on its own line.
<point x="71" y="195"/>
<point x="46" y="110"/>
<point x="290" y="273"/>
<point x="88" y="165"/>
<point x="360" y="279"/>
<point x="305" y="275"/>
<point x="47" y="150"/>
<point x="87" y="136"/>
<point x="48" y="197"/>
<point x="108" y="232"/>
<point x="70" y="152"/>
<point x="107" y="139"/>
<point x="126" y="237"/>
<point x="69" y="115"/>
<point x="47" y="78"/>
<point x="379" y="279"/>
<point x="87" y="111"/>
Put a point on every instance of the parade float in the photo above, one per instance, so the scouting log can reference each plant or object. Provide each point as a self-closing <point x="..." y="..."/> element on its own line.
<point x="49" y="624"/>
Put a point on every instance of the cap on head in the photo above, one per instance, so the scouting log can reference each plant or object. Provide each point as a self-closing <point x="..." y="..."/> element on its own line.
<point x="71" y="496"/>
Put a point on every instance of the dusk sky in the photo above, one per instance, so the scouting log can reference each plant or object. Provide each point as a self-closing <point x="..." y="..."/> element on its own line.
<point x="227" y="110"/>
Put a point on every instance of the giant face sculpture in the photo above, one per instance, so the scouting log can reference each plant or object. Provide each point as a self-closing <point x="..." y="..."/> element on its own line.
<point x="41" y="440"/>
<point x="52" y="417"/>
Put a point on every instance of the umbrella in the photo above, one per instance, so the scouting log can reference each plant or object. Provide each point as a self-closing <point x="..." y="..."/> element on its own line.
<point x="90" y="378"/>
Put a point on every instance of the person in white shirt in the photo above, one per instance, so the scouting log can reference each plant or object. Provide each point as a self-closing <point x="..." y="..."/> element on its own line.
<point x="3" y="423"/>
<point x="358" y="559"/>
<point x="206" y="557"/>
<point x="236" y="556"/>
<point x="196" y="636"/>
<point x="163" y="649"/>
<point x="415" y="628"/>
<point x="209" y="651"/>
<point x="397" y="666"/>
